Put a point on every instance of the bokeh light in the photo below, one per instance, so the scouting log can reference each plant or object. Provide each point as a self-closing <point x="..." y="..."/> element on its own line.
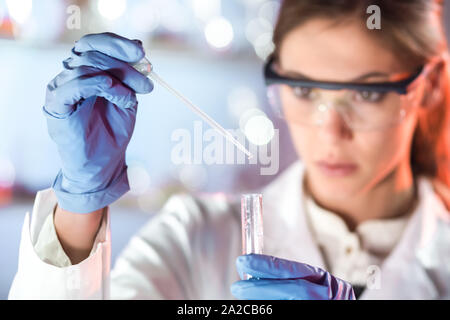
<point x="111" y="9"/>
<point x="253" y="112"/>
<point x="7" y="173"/>
<point x="206" y="9"/>
<point x="138" y="178"/>
<point x="264" y="45"/>
<point x="257" y="26"/>
<point x="19" y="10"/>
<point x="219" y="33"/>
<point x="269" y="11"/>
<point x="259" y="130"/>
<point x="241" y="99"/>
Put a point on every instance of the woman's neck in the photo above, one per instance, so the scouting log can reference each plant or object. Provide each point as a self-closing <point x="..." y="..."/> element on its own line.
<point x="392" y="197"/>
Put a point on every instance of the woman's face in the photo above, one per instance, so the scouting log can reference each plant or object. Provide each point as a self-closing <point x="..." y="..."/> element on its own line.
<point x="340" y="161"/>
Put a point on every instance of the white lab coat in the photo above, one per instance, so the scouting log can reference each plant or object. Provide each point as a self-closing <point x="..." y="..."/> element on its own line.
<point x="188" y="250"/>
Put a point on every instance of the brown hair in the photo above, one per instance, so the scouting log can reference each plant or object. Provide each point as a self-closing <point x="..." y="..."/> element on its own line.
<point x="414" y="31"/>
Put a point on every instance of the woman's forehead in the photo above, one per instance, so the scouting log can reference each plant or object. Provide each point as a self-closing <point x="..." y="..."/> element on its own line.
<point x="321" y="49"/>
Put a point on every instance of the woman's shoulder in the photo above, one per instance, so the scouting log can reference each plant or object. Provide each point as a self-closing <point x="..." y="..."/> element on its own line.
<point x="434" y="197"/>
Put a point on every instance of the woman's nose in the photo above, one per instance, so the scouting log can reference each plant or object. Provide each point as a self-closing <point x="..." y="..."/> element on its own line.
<point x="330" y="120"/>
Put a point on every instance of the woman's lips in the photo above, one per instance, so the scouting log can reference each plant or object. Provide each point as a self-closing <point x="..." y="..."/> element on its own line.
<point x="336" y="169"/>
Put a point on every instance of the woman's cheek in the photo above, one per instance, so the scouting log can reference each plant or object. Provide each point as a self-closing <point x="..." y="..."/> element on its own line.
<point x="381" y="151"/>
<point x="375" y="152"/>
<point x="302" y="139"/>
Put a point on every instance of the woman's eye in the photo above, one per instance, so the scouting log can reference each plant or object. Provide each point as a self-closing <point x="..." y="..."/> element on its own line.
<point x="369" y="96"/>
<point x="302" y="92"/>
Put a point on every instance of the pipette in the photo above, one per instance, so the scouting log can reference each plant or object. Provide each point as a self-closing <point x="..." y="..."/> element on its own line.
<point x="146" y="68"/>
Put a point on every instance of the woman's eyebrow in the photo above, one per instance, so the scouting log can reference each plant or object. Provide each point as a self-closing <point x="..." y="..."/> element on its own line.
<point x="373" y="74"/>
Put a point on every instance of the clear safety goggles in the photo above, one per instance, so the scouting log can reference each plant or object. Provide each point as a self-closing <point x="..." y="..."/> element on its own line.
<point x="363" y="106"/>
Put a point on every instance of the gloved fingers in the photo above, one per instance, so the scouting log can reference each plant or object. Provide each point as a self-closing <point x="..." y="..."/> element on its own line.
<point x="112" y="45"/>
<point x="264" y="266"/>
<point x="119" y="69"/>
<point x="278" y="289"/>
<point x="120" y="95"/>
<point x="68" y="75"/>
<point x="339" y="289"/>
<point x="63" y="99"/>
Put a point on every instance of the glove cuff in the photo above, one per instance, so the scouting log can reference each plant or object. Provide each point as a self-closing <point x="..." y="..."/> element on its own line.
<point x="54" y="115"/>
<point x="90" y="201"/>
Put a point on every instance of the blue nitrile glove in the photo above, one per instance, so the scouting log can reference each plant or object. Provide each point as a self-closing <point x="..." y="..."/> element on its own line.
<point x="91" y="111"/>
<point x="279" y="279"/>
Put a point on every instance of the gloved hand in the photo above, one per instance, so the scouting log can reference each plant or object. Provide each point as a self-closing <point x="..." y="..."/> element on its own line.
<point x="91" y="111"/>
<point x="279" y="279"/>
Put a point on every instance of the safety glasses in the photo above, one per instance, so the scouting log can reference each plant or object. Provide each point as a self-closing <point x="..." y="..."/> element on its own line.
<point x="400" y="87"/>
<point x="363" y="106"/>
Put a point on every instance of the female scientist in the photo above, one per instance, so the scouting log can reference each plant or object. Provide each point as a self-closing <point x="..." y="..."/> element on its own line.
<point x="363" y="214"/>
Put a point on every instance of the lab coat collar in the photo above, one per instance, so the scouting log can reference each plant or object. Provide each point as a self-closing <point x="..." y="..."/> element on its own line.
<point x="405" y="273"/>
<point x="416" y="269"/>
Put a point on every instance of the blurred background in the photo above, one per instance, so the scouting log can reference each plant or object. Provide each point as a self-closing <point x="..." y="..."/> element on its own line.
<point x="210" y="50"/>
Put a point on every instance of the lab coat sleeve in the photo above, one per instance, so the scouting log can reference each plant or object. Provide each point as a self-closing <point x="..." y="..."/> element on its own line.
<point x="49" y="249"/>
<point x="187" y="251"/>
<point x="38" y="278"/>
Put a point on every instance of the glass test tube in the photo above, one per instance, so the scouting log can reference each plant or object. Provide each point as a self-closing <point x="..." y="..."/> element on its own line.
<point x="252" y="225"/>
